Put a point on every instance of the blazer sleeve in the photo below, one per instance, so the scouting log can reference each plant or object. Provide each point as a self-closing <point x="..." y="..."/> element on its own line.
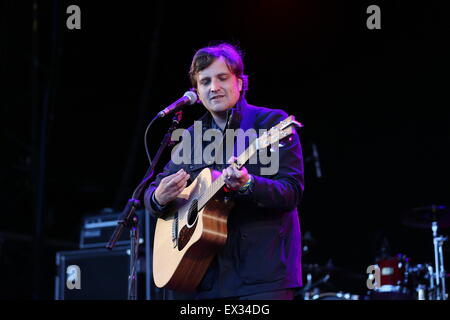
<point x="284" y="189"/>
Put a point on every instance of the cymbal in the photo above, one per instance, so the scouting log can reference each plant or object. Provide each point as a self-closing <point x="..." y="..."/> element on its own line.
<point x="423" y="217"/>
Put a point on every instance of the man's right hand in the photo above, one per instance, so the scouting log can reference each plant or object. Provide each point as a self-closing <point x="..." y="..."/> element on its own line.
<point x="171" y="186"/>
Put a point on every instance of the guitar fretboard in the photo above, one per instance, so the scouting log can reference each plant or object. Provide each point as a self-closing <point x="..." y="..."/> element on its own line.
<point x="219" y="182"/>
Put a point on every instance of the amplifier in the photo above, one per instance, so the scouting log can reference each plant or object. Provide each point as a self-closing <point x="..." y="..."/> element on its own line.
<point x="96" y="274"/>
<point x="96" y="230"/>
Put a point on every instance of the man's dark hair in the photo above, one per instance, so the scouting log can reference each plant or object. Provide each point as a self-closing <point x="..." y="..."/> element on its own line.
<point x="204" y="57"/>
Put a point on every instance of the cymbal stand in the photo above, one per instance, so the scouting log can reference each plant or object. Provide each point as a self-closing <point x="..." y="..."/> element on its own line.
<point x="439" y="271"/>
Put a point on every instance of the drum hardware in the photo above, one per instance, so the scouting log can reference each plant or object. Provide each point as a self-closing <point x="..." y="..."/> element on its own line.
<point x="431" y="279"/>
<point x="335" y="296"/>
<point x="311" y="290"/>
<point x="421" y="292"/>
<point x="438" y="241"/>
<point x="323" y="289"/>
<point x="404" y="280"/>
<point x="433" y="216"/>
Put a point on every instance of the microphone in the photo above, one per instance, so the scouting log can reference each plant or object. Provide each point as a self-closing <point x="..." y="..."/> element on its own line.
<point x="189" y="97"/>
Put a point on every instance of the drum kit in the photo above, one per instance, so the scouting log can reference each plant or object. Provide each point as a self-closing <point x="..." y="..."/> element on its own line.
<point x="398" y="277"/>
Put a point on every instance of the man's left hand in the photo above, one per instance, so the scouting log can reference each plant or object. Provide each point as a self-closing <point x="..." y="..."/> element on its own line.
<point x="234" y="178"/>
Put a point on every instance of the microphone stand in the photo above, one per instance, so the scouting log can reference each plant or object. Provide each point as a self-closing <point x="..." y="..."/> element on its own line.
<point x="129" y="218"/>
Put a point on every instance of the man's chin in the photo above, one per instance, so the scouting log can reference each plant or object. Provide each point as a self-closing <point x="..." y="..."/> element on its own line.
<point x="219" y="108"/>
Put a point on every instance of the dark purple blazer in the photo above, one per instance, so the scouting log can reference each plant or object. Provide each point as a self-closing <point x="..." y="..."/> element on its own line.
<point x="263" y="248"/>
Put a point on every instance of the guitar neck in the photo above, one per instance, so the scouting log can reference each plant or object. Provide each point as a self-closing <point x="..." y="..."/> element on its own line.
<point x="276" y="133"/>
<point x="219" y="182"/>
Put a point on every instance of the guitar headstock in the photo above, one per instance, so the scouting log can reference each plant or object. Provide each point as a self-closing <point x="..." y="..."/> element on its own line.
<point x="282" y="130"/>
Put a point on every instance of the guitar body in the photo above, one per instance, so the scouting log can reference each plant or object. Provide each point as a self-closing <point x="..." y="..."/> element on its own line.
<point x="179" y="263"/>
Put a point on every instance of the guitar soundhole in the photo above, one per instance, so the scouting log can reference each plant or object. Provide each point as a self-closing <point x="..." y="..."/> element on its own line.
<point x="188" y="230"/>
<point x="193" y="212"/>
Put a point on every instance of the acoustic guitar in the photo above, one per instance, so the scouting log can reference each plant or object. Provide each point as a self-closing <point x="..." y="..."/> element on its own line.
<point x="187" y="239"/>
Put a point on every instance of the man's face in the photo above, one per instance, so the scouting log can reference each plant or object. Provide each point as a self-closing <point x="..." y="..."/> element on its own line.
<point x="218" y="88"/>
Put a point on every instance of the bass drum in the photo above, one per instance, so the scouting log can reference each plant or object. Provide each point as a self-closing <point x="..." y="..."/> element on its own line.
<point x="335" y="296"/>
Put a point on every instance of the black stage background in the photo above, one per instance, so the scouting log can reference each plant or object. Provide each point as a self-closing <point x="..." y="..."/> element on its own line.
<point x="374" y="102"/>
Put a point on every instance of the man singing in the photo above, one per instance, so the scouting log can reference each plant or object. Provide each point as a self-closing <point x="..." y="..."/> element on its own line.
<point x="261" y="259"/>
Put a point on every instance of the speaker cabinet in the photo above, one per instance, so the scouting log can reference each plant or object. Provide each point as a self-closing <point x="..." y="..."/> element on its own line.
<point x="95" y="274"/>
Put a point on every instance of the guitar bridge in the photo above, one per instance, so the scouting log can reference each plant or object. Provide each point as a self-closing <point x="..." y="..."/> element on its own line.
<point x="175" y="230"/>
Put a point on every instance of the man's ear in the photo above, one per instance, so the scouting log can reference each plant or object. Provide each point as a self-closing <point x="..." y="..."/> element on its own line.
<point x="240" y="84"/>
<point x="196" y="92"/>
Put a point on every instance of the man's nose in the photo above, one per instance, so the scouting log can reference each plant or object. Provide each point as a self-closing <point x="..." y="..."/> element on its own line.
<point x="215" y="85"/>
